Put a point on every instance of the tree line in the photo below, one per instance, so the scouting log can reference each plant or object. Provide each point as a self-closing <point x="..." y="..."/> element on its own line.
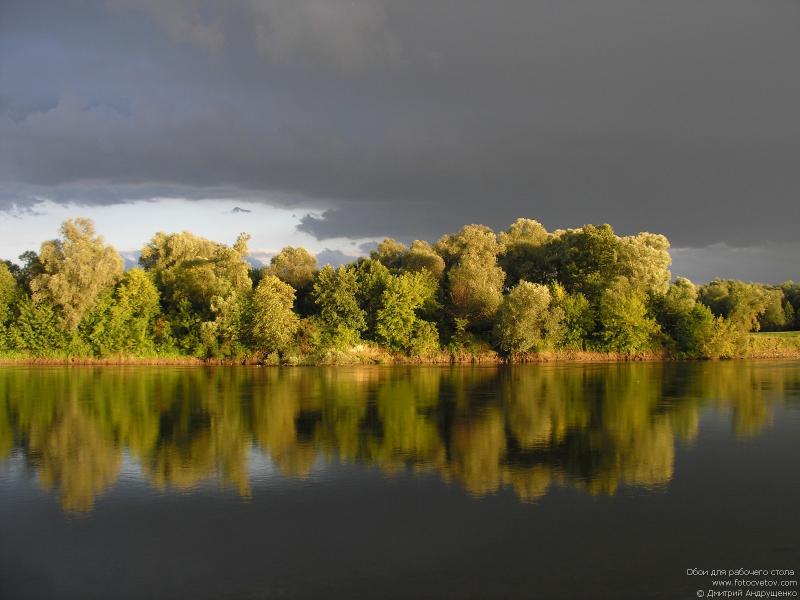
<point x="520" y="292"/>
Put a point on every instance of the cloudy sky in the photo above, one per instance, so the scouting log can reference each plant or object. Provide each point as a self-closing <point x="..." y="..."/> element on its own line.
<point x="332" y="123"/>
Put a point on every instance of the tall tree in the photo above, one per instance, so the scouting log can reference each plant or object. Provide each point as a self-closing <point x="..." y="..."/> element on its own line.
<point x="627" y="326"/>
<point x="8" y="293"/>
<point x="372" y="277"/>
<point x="742" y="303"/>
<point x="76" y="269"/>
<point x="9" y="298"/>
<point x="202" y="285"/>
<point x="422" y="256"/>
<point x="390" y="252"/>
<point x="123" y="322"/>
<point x="522" y="254"/>
<point x="474" y="279"/>
<point x="398" y="322"/>
<point x="527" y="321"/>
<point x="295" y="266"/>
<point x="273" y="324"/>
<point x="336" y="295"/>
<point x="644" y="259"/>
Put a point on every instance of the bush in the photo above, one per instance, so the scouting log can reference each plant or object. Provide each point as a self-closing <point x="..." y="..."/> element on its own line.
<point x="627" y="327"/>
<point x="526" y="321"/>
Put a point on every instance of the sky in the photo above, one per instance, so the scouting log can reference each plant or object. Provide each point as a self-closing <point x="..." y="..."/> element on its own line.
<point x="334" y="123"/>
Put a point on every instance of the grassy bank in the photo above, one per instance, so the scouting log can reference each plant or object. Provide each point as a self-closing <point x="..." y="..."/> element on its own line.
<point x="779" y="344"/>
<point x="784" y="345"/>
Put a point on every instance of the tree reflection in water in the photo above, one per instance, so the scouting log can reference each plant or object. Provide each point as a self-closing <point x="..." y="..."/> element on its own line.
<point x="594" y="427"/>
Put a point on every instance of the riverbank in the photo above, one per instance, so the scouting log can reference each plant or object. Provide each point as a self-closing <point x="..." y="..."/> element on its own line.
<point x="760" y="346"/>
<point x="779" y="344"/>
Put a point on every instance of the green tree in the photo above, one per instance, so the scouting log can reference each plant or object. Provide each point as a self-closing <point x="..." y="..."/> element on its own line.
<point x="398" y="323"/>
<point x="644" y="260"/>
<point x="123" y="322"/>
<point x="10" y="296"/>
<point x="273" y="323"/>
<point x="478" y="241"/>
<point x="390" y="252"/>
<point x="422" y="256"/>
<point x="224" y="336"/>
<point x="582" y="260"/>
<point x="31" y="267"/>
<point x="578" y="321"/>
<point x="373" y="277"/>
<point x="699" y="334"/>
<point x="742" y="303"/>
<point x="774" y="317"/>
<point x="188" y="267"/>
<point x="76" y="269"/>
<point x="627" y="326"/>
<point x="336" y="296"/>
<point x="474" y="279"/>
<point x="295" y="266"/>
<point x="476" y="289"/>
<point x="527" y="321"/>
<point x="522" y="254"/>
<point x="791" y="291"/>
<point x="200" y="281"/>
<point x="37" y="330"/>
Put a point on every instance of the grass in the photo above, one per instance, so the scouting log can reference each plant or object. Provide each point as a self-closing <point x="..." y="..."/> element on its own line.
<point x="774" y="344"/>
<point x="780" y="334"/>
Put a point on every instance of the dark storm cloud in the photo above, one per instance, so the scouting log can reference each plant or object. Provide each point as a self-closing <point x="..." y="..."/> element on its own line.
<point x="410" y="118"/>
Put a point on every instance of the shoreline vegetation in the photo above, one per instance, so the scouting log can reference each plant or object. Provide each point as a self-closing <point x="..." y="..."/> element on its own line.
<point x="764" y="347"/>
<point x="524" y="295"/>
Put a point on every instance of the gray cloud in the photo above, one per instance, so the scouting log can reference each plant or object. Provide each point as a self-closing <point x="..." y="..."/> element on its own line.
<point x="334" y="258"/>
<point x="410" y="119"/>
<point x="769" y="263"/>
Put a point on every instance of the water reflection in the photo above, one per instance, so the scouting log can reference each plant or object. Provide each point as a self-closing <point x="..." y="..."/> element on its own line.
<point x="594" y="427"/>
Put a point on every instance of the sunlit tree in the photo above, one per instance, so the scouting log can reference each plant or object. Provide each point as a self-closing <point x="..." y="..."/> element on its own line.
<point x="76" y="269"/>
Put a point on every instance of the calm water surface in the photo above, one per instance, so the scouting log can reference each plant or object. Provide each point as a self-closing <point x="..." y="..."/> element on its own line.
<point x="566" y="481"/>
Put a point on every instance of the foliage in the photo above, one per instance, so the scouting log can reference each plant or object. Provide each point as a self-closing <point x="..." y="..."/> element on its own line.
<point x="76" y="269"/>
<point x="224" y="336"/>
<point x="526" y="290"/>
<point x="295" y="266"/>
<point x="37" y="329"/>
<point x="578" y="318"/>
<point x="527" y="321"/>
<point x="582" y="260"/>
<point x="742" y="303"/>
<point x="336" y="296"/>
<point x="31" y="267"/>
<point x="626" y="325"/>
<point x="398" y="324"/>
<point x="422" y="256"/>
<point x="372" y="277"/>
<point x="123" y="322"/>
<point x="778" y="313"/>
<point x="477" y="241"/>
<point x="203" y="285"/>
<point x="9" y="297"/>
<point x="8" y="293"/>
<point x="390" y="253"/>
<point x="522" y="249"/>
<point x="273" y="323"/>
<point x="476" y="289"/>
<point x="644" y="260"/>
<point x="699" y="334"/>
<point x="194" y="269"/>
